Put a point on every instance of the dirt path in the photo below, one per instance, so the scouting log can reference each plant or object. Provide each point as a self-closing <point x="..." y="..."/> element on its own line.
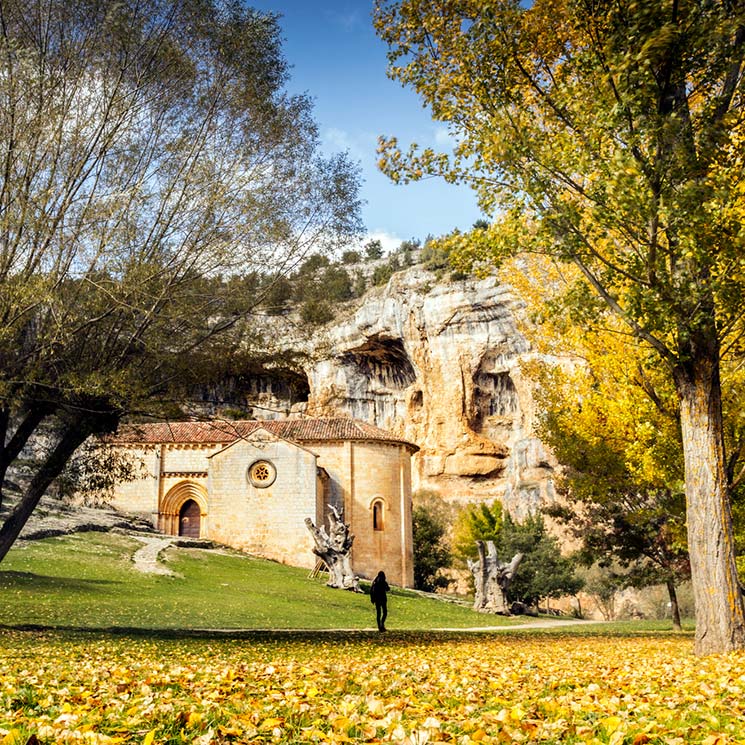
<point x="146" y="558"/>
<point x="544" y="623"/>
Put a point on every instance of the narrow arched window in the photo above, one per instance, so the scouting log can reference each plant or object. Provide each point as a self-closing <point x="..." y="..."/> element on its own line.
<point x="377" y="510"/>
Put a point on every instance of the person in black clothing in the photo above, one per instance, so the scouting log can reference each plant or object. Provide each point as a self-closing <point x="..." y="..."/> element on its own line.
<point x="378" y="597"/>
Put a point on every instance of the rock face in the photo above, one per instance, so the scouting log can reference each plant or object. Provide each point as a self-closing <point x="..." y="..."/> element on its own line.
<point x="435" y="363"/>
<point x="438" y="364"/>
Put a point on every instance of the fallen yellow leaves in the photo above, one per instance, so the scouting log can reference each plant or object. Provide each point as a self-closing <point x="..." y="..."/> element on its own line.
<point x="411" y="690"/>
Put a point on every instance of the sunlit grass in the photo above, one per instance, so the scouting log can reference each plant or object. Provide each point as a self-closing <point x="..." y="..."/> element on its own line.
<point x="89" y="580"/>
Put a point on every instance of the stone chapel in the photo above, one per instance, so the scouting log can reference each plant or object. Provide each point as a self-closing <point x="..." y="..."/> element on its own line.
<point x="251" y="484"/>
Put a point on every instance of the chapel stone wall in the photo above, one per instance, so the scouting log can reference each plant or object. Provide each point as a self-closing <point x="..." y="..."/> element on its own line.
<point x="266" y="521"/>
<point x="370" y="480"/>
<point x="366" y="472"/>
<point x="187" y="458"/>
<point x="140" y="497"/>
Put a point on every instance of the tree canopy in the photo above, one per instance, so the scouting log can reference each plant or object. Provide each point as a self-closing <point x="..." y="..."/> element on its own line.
<point x="146" y="149"/>
<point x="610" y="416"/>
<point x="608" y="136"/>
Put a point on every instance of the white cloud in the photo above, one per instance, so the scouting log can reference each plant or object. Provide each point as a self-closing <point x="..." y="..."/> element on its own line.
<point x="337" y="138"/>
<point x="446" y="138"/>
<point x="361" y="146"/>
<point x="443" y="137"/>
<point x="349" y="20"/>
<point x="389" y="241"/>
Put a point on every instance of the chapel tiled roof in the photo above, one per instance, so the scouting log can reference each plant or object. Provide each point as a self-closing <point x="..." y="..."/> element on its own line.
<point x="297" y="430"/>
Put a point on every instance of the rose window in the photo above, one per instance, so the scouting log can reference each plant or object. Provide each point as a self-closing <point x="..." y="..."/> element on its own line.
<point x="262" y="474"/>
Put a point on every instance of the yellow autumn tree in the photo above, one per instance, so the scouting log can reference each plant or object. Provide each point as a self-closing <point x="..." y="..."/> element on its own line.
<point x="608" y="136"/>
<point x="611" y="419"/>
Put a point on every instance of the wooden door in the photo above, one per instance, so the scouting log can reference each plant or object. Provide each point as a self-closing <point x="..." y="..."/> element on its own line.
<point x="189" y="519"/>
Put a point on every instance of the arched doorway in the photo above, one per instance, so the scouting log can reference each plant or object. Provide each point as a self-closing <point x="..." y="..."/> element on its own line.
<point x="186" y="499"/>
<point x="189" y="519"/>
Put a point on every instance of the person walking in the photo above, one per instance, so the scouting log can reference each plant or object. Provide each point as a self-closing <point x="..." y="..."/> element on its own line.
<point x="379" y="598"/>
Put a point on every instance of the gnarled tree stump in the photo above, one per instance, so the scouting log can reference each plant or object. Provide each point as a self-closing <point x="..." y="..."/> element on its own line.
<point x="334" y="547"/>
<point x="492" y="578"/>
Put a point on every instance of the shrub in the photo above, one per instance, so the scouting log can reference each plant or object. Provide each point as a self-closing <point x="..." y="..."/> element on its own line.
<point x="278" y="296"/>
<point x="374" y="250"/>
<point x="351" y="257"/>
<point x="381" y="274"/>
<point x="435" y="258"/>
<point x="316" y="311"/>
<point x="360" y="284"/>
<point x="335" y="284"/>
<point x="431" y="549"/>
<point x="313" y="263"/>
<point x="476" y="522"/>
<point x="543" y="572"/>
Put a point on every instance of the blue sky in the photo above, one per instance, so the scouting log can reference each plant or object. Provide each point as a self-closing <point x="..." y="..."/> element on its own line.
<point x="341" y="64"/>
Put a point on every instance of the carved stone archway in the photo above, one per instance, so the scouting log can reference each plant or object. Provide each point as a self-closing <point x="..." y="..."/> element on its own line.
<point x="172" y="503"/>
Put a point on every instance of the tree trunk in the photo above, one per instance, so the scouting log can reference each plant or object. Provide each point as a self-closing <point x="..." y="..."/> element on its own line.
<point x="674" y="607"/>
<point x="492" y="578"/>
<point x="71" y="438"/>
<point x="334" y="548"/>
<point x="720" y="618"/>
<point x="10" y="447"/>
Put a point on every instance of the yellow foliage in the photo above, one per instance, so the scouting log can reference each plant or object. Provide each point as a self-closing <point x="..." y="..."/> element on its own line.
<point x="594" y="377"/>
<point x="484" y="689"/>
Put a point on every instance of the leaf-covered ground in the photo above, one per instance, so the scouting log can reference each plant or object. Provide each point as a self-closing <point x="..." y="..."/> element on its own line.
<point x="402" y="688"/>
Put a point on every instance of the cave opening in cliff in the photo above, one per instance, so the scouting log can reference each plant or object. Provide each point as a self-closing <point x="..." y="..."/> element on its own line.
<point x="495" y="396"/>
<point x="283" y="384"/>
<point x="261" y="393"/>
<point x="384" y="360"/>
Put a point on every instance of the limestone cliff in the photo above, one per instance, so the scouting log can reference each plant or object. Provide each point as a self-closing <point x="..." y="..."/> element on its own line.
<point x="439" y="364"/>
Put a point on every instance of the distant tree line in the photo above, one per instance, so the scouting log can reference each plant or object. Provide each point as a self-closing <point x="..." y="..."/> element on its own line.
<point x="319" y="282"/>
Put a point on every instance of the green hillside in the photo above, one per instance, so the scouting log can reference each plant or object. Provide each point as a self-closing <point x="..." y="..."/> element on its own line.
<point x="89" y="580"/>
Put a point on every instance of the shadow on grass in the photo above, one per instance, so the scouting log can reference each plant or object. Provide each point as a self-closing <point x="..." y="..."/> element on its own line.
<point x="41" y="582"/>
<point x="341" y="636"/>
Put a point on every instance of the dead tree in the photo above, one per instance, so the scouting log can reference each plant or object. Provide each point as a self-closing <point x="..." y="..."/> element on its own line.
<point x="334" y="548"/>
<point x="492" y="578"/>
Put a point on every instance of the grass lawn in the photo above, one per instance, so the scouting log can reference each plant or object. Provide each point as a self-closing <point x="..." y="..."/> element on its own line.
<point x="89" y="580"/>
